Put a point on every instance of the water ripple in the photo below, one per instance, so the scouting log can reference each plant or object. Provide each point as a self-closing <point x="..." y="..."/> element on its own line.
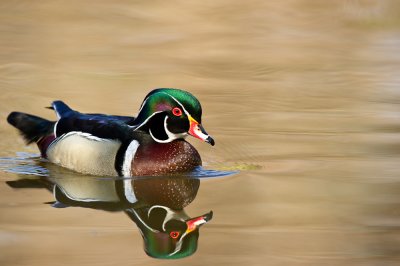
<point x="27" y="164"/>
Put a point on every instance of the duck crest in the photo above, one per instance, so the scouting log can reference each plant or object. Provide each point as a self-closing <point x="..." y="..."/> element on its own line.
<point x="164" y="99"/>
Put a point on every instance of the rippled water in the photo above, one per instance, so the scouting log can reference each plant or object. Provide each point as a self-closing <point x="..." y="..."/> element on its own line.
<point x="302" y="97"/>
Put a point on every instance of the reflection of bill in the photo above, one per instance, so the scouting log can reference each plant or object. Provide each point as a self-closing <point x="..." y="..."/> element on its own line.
<point x="155" y="204"/>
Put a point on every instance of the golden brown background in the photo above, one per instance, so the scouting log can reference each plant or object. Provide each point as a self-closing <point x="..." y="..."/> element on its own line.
<point x="301" y="95"/>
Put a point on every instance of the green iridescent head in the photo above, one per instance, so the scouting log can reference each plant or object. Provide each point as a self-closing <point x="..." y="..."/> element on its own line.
<point x="162" y="246"/>
<point x="169" y="114"/>
<point x="168" y="233"/>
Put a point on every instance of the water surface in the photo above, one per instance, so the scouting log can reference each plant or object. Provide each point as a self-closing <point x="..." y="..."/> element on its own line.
<point x="301" y="96"/>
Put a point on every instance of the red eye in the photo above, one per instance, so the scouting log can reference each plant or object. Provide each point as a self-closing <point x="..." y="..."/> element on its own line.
<point x="174" y="234"/>
<point x="176" y="111"/>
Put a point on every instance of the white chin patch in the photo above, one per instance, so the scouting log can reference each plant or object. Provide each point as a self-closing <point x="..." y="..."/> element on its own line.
<point x="171" y="136"/>
<point x="169" y="216"/>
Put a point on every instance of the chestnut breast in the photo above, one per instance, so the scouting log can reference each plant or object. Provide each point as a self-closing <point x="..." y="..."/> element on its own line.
<point x="155" y="158"/>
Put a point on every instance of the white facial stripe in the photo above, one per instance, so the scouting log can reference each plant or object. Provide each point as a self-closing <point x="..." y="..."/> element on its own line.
<point x="186" y="112"/>
<point x="169" y="216"/>
<point x="140" y="219"/>
<point x="171" y="136"/>
<point x="156" y="139"/>
<point x="147" y="119"/>
<point x="169" y="133"/>
<point x="144" y="102"/>
<point x="141" y="107"/>
<point x="179" y="244"/>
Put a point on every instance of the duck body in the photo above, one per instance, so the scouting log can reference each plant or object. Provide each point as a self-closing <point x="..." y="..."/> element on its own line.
<point x="98" y="144"/>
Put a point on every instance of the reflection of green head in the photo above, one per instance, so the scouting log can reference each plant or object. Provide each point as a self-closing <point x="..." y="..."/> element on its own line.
<point x="167" y="233"/>
<point x="162" y="246"/>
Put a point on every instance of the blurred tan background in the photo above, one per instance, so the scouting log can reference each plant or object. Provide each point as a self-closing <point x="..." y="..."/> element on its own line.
<point x="302" y="96"/>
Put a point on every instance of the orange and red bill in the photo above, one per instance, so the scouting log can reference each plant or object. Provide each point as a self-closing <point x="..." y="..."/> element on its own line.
<point x="197" y="131"/>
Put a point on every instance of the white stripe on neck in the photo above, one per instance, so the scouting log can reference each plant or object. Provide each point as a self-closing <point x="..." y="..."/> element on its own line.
<point x="126" y="170"/>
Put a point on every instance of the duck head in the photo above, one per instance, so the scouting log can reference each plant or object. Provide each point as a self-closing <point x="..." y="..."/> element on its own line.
<point x="170" y="114"/>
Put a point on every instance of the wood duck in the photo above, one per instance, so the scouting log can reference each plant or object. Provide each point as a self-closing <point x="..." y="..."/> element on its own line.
<point x="150" y="144"/>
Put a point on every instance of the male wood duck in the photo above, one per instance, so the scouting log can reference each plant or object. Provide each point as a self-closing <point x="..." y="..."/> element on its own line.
<point x="98" y="144"/>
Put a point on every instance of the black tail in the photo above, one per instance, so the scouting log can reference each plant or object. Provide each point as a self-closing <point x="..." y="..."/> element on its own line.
<point x="31" y="127"/>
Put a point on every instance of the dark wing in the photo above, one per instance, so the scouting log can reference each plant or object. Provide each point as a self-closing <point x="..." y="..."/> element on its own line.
<point x="62" y="110"/>
<point x="125" y="119"/>
<point x="99" y="125"/>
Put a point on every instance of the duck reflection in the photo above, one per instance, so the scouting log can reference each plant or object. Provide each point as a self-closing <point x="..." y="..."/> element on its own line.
<point x="155" y="204"/>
